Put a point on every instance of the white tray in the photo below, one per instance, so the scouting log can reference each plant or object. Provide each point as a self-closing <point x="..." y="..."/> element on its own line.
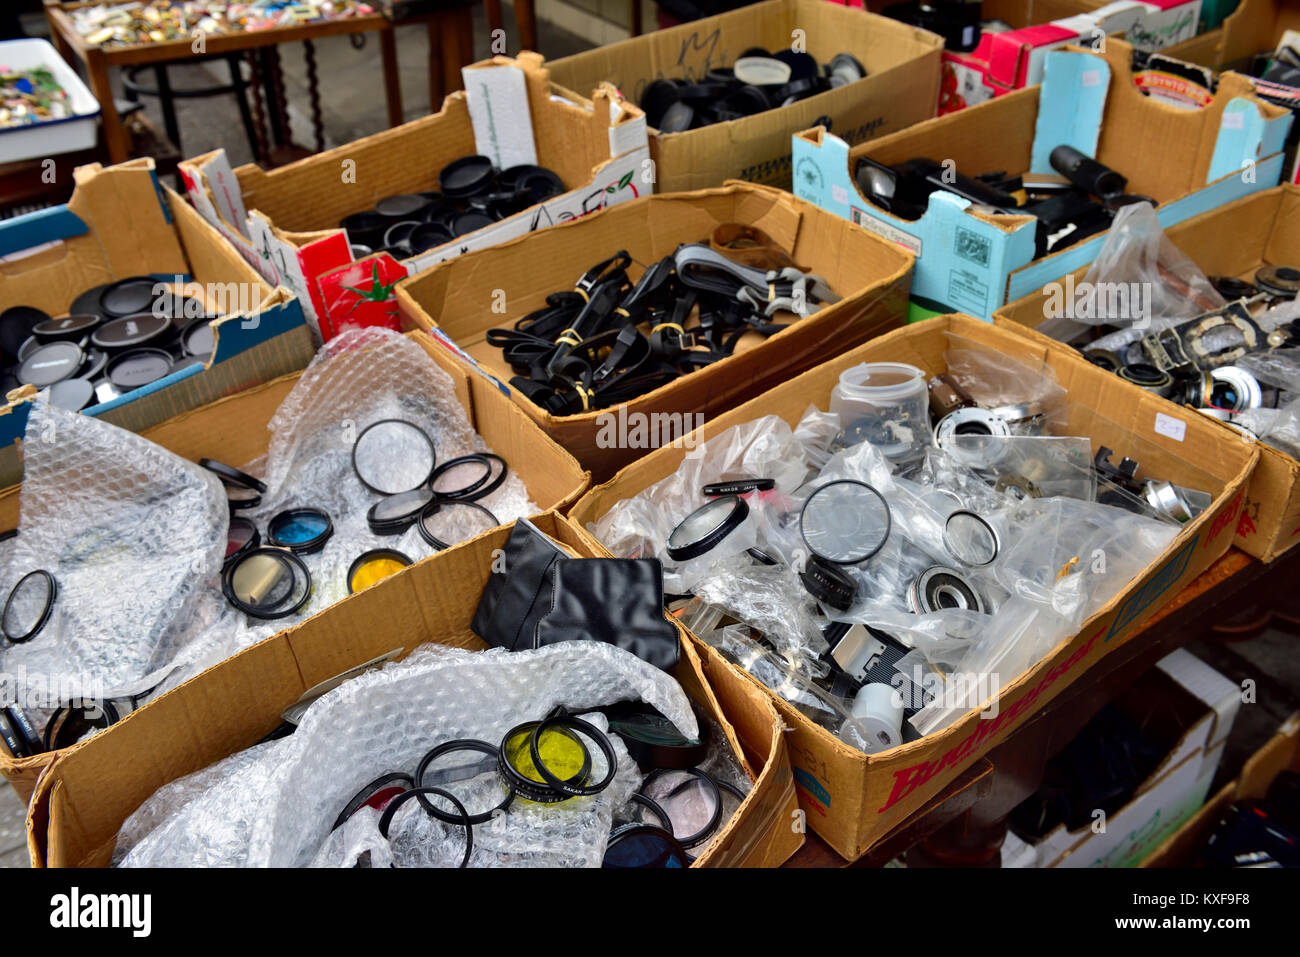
<point x="68" y="135"/>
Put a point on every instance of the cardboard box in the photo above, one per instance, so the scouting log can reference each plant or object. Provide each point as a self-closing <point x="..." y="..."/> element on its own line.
<point x="121" y="222"/>
<point x="286" y="222"/>
<point x="455" y="300"/>
<point x="1255" y="26"/>
<point x="81" y="804"/>
<point x="234" y="430"/>
<point x="1281" y="753"/>
<point x="976" y="262"/>
<point x="853" y="800"/>
<point x="1235" y="240"/>
<point x="901" y="88"/>
<point x="1182" y="701"/>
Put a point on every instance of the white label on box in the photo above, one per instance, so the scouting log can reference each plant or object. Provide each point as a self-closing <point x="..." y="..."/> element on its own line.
<point x="1091" y="78"/>
<point x="498" y="108"/>
<point x="887" y="230"/>
<point x="1234" y="121"/>
<point x="1170" y="427"/>
<point x="840" y="195"/>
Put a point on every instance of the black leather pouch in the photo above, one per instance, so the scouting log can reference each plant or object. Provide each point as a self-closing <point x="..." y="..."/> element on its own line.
<point x="516" y="597"/>
<point x="616" y="600"/>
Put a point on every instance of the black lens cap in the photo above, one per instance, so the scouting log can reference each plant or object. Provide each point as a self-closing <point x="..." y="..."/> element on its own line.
<point x="230" y="475"/>
<point x="678" y="118"/>
<point x="131" y="332"/>
<point x="465" y="177"/>
<point x="403" y="206"/>
<point x="847" y="67"/>
<point x="198" y="338"/>
<point x="65" y="329"/>
<point x="469" y="221"/>
<point x="72" y="394"/>
<point x="16" y="325"/>
<point x="93" y="364"/>
<point x="128" y="297"/>
<point x="366" y="228"/>
<point x="51" y="363"/>
<point x="30" y="345"/>
<point x="399" y="232"/>
<point x="88" y="301"/>
<point x="803" y="66"/>
<point x="658" y="97"/>
<point x="130" y="370"/>
<point x="428" y="236"/>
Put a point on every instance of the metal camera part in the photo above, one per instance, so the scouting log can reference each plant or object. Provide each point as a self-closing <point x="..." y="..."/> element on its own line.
<point x="1168" y="499"/>
<point x="976" y="422"/>
<point x="947" y="395"/>
<point x="858" y="651"/>
<point x="940" y="588"/>
<point x="1184" y="345"/>
<point x="1234" y="389"/>
<point x="1149" y="377"/>
<point x="1016" y="486"/>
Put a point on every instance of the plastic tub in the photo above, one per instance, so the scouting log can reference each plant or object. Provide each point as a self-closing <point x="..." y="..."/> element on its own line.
<point x="889" y="396"/>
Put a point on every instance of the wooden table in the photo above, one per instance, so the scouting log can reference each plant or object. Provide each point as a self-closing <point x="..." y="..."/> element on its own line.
<point x="964" y="824"/>
<point x="98" y="60"/>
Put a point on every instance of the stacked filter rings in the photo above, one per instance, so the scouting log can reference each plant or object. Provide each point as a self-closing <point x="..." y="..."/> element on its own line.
<point x="472" y="194"/>
<point x="547" y="762"/>
<point x="391" y="457"/>
<point x="115" y="338"/>
<point x="756" y="82"/>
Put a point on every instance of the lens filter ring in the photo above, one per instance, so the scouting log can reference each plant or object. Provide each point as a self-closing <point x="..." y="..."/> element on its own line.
<point x="392" y="456"/>
<point x="670" y="789"/>
<point x="230" y="475"/>
<point x="566" y="787"/>
<point x="516" y="765"/>
<point x="845" y="522"/>
<point x="29" y="605"/>
<point x="68" y="725"/>
<point x="267" y="583"/>
<point x="434" y="522"/>
<point x="706" y="527"/>
<point x="377" y="794"/>
<point x="970" y="538"/>
<point x="462" y="486"/>
<point x="394" y="514"/>
<point x="370" y="568"/>
<point x="643" y="846"/>
<point x="465" y="744"/>
<point x="386" y="819"/>
<point x="242" y="537"/>
<point x="301" y="530"/>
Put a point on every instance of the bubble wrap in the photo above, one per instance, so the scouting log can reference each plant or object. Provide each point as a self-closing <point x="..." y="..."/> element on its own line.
<point x="132" y="535"/>
<point x="273" y="804"/>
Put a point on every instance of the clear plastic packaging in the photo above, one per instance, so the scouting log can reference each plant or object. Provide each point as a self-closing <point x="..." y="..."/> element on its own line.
<point x="888" y="402"/>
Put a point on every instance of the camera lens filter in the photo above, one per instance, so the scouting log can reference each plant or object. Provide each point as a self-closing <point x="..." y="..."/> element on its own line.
<point x="374" y="566"/>
<point x="241" y="537"/>
<point x="392" y="456"/>
<point x="301" y="530"/>
<point x="970" y="539"/>
<point x="468" y="769"/>
<point x="444" y="524"/>
<point x="703" y="529"/>
<point x="845" y="522"/>
<point x="267" y="583"/>
<point x="28" y="607"/>
<point x="468" y="477"/>
<point x="394" y="514"/>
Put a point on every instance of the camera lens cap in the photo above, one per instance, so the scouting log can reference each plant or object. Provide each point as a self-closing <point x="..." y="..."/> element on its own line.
<point x="230" y="475"/>
<point x="16" y="325"/>
<point x="845" y="522"/>
<point x="465" y="177"/>
<point x="242" y="537"/>
<point x="705" y="527"/>
<point x="469" y="221"/>
<point x="301" y="530"/>
<point x="803" y="66"/>
<point x="72" y="394"/>
<point x="374" y="566"/>
<point x="89" y="302"/>
<point x="398" y="233"/>
<point x="428" y="236"/>
<point x="128" y="297"/>
<point x="447" y="523"/>
<point x="403" y="206"/>
<point x="28" y="607"/>
<point x="677" y="118"/>
<point x="393" y="455"/>
<point x="763" y="70"/>
<point x="366" y="228"/>
<point x="51" y="363"/>
<point x="656" y="100"/>
<point x="394" y="514"/>
<point x="92" y="365"/>
<point x="131" y="332"/>
<point x="65" y="329"/>
<point x="847" y="67"/>
<point x="199" y="339"/>
<point x="130" y="370"/>
<point x="540" y="182"/>
<point x="267" y="583"/>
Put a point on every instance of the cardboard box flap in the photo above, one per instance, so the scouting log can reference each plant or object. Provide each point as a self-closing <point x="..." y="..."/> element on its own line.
<point x="1071" y="103"/>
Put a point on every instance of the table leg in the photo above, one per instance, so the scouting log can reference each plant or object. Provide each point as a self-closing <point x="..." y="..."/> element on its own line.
<point x="451" y="55"/>
<point x="392" y="80"/>
<point x="526" y="21"/>
<point x="634" y="15"/>
<point x="116" y="139"/>
<point x="170" y="123"/>
<point x="437" y="82"/>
